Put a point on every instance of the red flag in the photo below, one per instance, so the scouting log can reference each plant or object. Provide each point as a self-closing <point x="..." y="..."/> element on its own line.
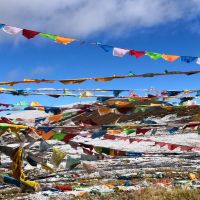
<point x="186" y="148"/>
<point x="109" y="137"/>
<point x="138" y="140"/>
<point x="29" y="33"/>
<point x="171" y="147"/>
<point x="161" y="144"/>
<point x="123" y="138"/>
<point x="69" y="137"/>
<point x="143" y="131"/>
<point x="137" y="54"/>
<point x="64" y="187"/>
<point x="131" y="140"/>
<point x="191" y="125"/>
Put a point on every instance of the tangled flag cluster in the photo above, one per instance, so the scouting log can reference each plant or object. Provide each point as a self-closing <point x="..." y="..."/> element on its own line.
<point x="152" y="99"/>
<point x="69" y="128"/>
<point x="119" y="52"/>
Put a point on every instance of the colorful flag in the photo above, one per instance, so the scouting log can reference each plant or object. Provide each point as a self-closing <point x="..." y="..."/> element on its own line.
<point x="119" y="52"/>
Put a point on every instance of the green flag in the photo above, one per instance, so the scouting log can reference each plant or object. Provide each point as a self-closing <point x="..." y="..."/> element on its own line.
<point x="59" y="136"/>
<point x="153" y="55"/>
<point x="53" y="37"/>
<point x="129" y="131"/>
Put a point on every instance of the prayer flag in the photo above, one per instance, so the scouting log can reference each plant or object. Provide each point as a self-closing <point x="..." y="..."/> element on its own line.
<point x="64" y="40"/>
<point x="119" y="52"/>
<point x="29" y="33"/>
<point x="137" y="54"/>
<point x="153" y="55"/>
<point x="11" y="29"/>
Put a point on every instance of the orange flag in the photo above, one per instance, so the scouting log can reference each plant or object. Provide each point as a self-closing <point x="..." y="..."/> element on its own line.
<point x="55" y="118"/>
<point x="73" y="81"/>
<point x="104" y="111"/>
<point x="64" y="40"/>
<point x="170" y="58"/>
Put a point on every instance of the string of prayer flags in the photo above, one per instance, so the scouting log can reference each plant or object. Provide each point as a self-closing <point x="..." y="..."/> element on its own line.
<point x="81" y="80"/>
<point x="116" y="51"/>
<point x="170" y="146"/>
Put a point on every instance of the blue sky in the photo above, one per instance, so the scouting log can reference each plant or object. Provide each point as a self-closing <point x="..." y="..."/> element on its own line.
<point x="176" y="32"/>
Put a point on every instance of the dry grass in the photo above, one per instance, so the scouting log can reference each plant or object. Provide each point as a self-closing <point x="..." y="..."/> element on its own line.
<point x="148" y="194"/>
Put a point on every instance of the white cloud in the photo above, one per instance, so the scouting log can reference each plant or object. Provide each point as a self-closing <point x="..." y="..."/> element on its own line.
<point x="82" y="18"/>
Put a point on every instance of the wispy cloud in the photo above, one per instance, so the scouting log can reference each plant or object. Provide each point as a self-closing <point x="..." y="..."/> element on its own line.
<point x="82" y="18"/>
<point x="41" y="70"/>
<point x="14" y="74"/>
<point x="20" y="73"/>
